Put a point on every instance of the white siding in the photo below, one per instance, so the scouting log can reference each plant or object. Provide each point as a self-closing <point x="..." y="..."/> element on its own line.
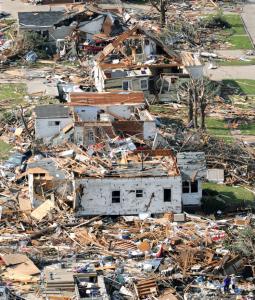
<point x="97" y="195"/>
<point x="122" y="111"/>
<point x="31" y="189"/>
<point x="43" y="129"/>
<point x="149" y="129"/>
<point x="99" y="78"/>
<point x="87" y="113"/>
<point x="92" y="27"/>
<point x="193" y="198"/>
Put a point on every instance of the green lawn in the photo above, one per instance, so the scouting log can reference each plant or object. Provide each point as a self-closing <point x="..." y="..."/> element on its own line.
<point x="247" y="129"/>
<point x="236" y="62"/>
<point x="239" y="42"/>
<point x="236" y="23"/>
<point x="12" y="91"/>
<point x="236" y="35"/>
<point x="217" y="127"/>
<point x="241" y="86"/>
<point x="231" y="194"/>
<point x="4" y="150"/>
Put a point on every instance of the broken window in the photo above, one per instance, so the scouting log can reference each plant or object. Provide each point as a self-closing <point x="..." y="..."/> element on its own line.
<point x="139" y="193"/>
<point x="91" y="137"/>
<point x="45" y="34"/>
<point x="127" y="85"/>
<point x="185" y="187"/>
<point x="144" y="84"/>
<point x="167" y="195"/>
<point x="53" y="123"/>
<point x="194" y="186"/>
<point x="115" y="196"/>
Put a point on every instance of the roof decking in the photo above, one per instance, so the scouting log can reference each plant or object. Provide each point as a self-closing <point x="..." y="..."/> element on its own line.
<point x="106" y="98"/>
<point x="51" y="111"/>
<point x="41" y="18"/>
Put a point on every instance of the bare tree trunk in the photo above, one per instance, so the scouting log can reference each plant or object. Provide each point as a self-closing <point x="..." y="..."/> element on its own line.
<point x="190" y="103"/>
<point x="162" y="13"/>
<point x="195" y="115"/>
<point x="160" y="6"/>
<point x="195" y="106"/>
<point x="202" y="118"/>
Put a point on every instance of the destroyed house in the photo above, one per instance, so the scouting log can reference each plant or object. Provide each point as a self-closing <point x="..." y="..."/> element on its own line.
<point x="68" y="284"/>
<point x="107" y="115"/>
<point x="101" y="26"/>
<point x="136" y="182"/>
<point x="117" y="177"/>
<point x="77" y="23"/>
<point x="52" y="25"/>
<point x="136" y="59"/>
<point x="50" y="119"/>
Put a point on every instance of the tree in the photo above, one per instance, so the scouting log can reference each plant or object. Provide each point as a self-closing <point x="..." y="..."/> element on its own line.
<point x="244" y="242"/>
<point x="197" y="93"/>
<point x="160" y="6"/>
<point x="33" y="40"/>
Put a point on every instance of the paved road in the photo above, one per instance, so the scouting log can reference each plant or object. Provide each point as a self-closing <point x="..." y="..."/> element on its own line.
<point x="230" y="72"/>
<point x="238" y="72"/>
<point x="248" y="16"/>
<point x="15" y="6"/>
<point x="34" y="79"/>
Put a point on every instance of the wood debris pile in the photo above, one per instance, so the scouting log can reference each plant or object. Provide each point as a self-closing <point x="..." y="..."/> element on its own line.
<point x="139" y="257"/>
<point x="236" y="160"/>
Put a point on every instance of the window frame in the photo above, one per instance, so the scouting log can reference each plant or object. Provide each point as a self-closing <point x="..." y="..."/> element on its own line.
<point x="115" y="197"/>
<point x="139" y="193"/>
<point x="53" y="123"/>
<point x="91" y="136"/>
<point x="164" y="195"/>
<point x="192" y="185"/>
<point x="187" y="187"/>
<point x="130" y="85"/>
<point x="147" y="84"/>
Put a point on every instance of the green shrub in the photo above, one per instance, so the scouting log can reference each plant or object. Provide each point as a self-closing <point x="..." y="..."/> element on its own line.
<point x="217" y="21"/>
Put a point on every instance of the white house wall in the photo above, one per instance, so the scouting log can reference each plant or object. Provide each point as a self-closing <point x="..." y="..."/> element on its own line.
<point x="122" y="111"/>
<point x="193" y="198"/>
<point x="149" y="130"/>
<point x="31" y="188"/>
<point x="92" y="27"/>
<point x="96" y="195"/>
<point x="87" y="113"/>
<point x="99" y="78"/>
<point x="43" y="129"/>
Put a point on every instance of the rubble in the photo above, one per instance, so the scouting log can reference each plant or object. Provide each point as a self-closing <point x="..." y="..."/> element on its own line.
<point x="95" y="197"/>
